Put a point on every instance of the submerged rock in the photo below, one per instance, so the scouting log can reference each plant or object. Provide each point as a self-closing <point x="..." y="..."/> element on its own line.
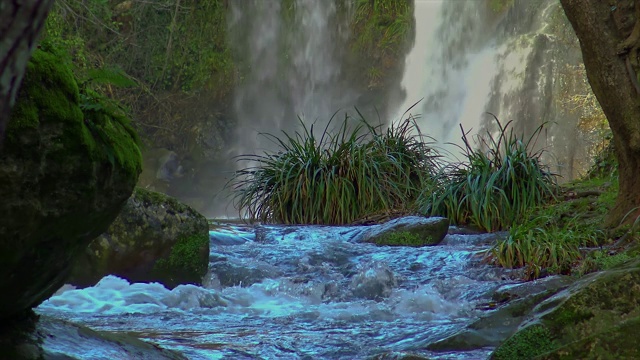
<point x="230" y="272"/>
<point x="64" y="177"/>
<point x="595" y="318"/>
<point x="406" y="231"/>
<point x="374" y="281"/>
<point x="154" y="239"/>
<point x="42" y="337"/>
<point x="512" y="304"/>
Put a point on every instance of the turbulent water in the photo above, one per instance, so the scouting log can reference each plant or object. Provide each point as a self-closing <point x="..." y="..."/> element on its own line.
<point x="278" y="292"/>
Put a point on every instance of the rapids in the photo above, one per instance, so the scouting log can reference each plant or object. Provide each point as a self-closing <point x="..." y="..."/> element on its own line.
<point x="308" y="292"/>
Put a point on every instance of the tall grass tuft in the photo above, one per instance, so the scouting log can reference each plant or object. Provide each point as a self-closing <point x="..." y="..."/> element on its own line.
<point x="337" y="177"/>
<point x="499" y="181"/>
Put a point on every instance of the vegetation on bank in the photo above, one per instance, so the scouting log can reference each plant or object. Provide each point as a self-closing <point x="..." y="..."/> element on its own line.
<point x="360" y="170"/>
<point x="566" y="236"/>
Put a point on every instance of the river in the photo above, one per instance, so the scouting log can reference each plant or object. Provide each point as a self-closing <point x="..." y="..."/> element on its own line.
<point x="307" y="292"/>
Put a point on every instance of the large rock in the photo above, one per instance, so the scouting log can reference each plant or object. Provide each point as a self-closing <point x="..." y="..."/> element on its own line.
<point x="155" y="238"/>
<point x="64" y="177"/>
<point x="406" y="231"/>
<point x="596" y="318"/>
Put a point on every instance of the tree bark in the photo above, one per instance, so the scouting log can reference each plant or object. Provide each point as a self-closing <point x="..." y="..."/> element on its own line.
<point x="21" y="22"/>
<point x="609" y="46"/>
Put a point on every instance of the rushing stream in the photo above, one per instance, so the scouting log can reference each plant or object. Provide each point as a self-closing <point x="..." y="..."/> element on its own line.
<point x="278" y="292"/>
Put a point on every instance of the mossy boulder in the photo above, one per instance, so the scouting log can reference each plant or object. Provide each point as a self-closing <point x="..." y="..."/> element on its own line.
<point x="592" y="319"/>
<point x="512" y="304"/>
<point x="407" y="231"/>
<point x="154" y="239"/>
<point x="62" y="184"/>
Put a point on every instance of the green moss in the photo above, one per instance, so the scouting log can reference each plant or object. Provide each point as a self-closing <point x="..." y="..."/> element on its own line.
<point x="525" y="344"/>
<point x="117" y="139"/>
<point x="618" y="342"/>
<point x="152" y="197"/>
<point x="50" y="98"/>
<point x="568" y="316"/>
<point x="49" y="91"/>
<point x="383" y="30"/>
<point x="186" y="256"/>
<point x="403" y="238"/>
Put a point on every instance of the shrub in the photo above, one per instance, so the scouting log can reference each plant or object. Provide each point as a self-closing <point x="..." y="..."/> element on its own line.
<point x="495" y="186"/>
<point x="338" y="178"/>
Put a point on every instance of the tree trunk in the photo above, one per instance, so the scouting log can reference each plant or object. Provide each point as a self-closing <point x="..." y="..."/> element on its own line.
<point x="20" y="24"/>
<point x="608" y="32"/>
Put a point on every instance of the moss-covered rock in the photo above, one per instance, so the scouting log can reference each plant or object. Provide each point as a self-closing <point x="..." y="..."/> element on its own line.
<point x="155" y="238"/>
<point x="61" y="185"/>
<point x="512" y="303"/>
<point x="407" y="231"/>
<point x="590" y="320"/>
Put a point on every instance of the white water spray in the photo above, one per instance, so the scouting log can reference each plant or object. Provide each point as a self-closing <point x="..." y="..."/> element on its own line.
<point x="294" y="58"/>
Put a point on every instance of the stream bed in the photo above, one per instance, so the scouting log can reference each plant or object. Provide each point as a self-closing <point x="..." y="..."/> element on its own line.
<point x="300" y="292"/>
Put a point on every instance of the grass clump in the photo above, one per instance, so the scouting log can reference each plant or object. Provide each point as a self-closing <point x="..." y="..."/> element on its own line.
<point x="535" y="249"/>
<point x="498" y="183"/>
<point x="338" y="177"/>
<point x="552" y="238"/>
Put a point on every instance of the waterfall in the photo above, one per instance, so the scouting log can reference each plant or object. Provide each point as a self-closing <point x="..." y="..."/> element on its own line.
<point x="450" y="67"/>
<point x="470" y="60"/>
<point x="293" y="54"/>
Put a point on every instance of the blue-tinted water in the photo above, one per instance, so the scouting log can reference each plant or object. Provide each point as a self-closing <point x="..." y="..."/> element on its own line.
<point x="276" y="292"/>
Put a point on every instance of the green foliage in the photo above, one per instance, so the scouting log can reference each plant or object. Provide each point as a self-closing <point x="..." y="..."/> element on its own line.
<point x="180" y="44"/>
<point x="553" y="249"/>
<point x="605" y="164"/>
<point x="525" y="344"/>
<point x="497" y="185"/>
<point x="383" y="31"/>
<point x="601" y="260"/>
<point x="549" y="236"/>
<point x="337" y="178"/>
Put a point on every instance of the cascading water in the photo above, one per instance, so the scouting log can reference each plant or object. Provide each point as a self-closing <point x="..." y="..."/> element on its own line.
<point x="470" y="60"/>
<point x="293" y="53"/>
<point x="278" y="292"/>
<point x="450" y="67"/>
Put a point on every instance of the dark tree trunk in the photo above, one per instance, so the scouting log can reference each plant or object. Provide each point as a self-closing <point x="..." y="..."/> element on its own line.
<point x="609" y="31"/>
<point x="20" y="24"/>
